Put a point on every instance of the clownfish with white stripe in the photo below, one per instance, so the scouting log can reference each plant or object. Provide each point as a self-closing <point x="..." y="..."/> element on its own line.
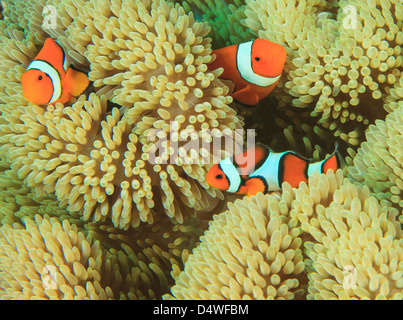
<point x="254" y="67"/>
<point x="48" y="80"/>
<point x="259" y="169"/>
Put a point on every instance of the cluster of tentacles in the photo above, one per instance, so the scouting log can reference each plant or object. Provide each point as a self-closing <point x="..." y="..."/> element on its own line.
<point x="100" y="198"/>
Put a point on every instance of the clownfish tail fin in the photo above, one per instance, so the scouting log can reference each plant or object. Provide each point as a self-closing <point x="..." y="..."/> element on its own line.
<point x="77" y="80"/>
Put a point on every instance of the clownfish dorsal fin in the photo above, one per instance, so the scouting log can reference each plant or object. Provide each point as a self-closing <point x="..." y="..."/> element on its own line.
<point x="261" y="154"/>
<point x="54" y="54"/>
<point x="251" y="159"/>
<point x="77" y="81"/>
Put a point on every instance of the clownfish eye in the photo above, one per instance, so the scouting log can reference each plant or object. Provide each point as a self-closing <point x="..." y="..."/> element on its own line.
<point x="257" y="58"/>
<point x="219" y="176"/>
<point x="40" y="78"/>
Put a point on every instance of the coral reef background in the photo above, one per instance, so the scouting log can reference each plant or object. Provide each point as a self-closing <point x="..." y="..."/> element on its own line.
<point x="81" y="199"/>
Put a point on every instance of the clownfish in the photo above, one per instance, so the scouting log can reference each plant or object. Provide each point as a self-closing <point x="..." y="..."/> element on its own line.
<point x="48" y="80"/>
<point x="259" y="169"/>
<point x="254" y="67"/>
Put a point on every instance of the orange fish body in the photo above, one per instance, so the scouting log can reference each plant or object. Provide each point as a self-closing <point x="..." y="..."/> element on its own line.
<point x="48" y="80"/>
<point x="259" y="169"/>
<point x="255" y="68"/>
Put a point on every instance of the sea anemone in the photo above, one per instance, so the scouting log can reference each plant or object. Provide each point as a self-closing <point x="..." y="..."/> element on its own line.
<point x="334" y="70"/>
<point x="105" y="197"/>
<point x="95" y="156"/>
<point x="137" y="47"/>
<point x="287" y="23"/>
<point x="254" y="250"/>
<point x="17" y="202"/>
<point x="265" y="246"/>
<point x="145" y="255"/>
<point x="289" y="130"/>
<point x="19" y="50"/>
<point x="50" y="260"/>
<point x="25" y="15"/>
<point x="42" y="18"/>
<point x="224" y="17"/>
<point x="12" y="191"/>
<point x="158" y="252"/>
<point x="347" y="231"/>
<point x="250" y="251"/>
<point x="90" y="171"/>
<point x="357" y="251"/>
<point x="378" y="162"/>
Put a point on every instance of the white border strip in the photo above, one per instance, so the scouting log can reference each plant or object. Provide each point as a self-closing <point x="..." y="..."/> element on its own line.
<point x="269" y="170"/>
<point x="52" y="73"/>
<point x="315" y="167"/>
<point x="244" y="65"/>
<point x="232" y="174"/>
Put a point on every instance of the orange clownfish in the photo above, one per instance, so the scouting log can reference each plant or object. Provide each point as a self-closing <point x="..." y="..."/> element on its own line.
<point x="47" y="79"/>
<point x="254" y="67"/>
<point x="259" y="169"/>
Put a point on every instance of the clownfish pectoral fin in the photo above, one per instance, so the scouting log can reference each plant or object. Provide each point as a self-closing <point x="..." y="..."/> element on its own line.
<point x="77" y="80"/>
<point x="255" y="185"/>
<point x="246" y="96"/>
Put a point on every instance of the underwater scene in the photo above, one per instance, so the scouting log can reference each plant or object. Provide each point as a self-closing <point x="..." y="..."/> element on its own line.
<point x="201" y="149"/>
